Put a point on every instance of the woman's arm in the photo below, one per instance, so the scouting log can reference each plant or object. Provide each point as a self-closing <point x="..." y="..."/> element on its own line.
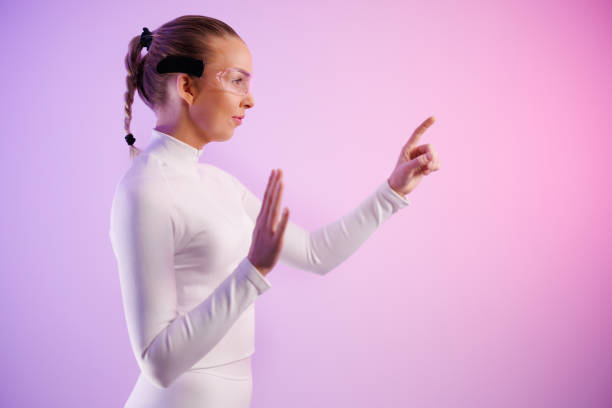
<point x="165" y="342"/>
<point x="322" y="250"/>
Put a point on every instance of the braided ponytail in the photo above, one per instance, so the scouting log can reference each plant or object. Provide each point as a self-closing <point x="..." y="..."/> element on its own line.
<point x="134" y="64"/>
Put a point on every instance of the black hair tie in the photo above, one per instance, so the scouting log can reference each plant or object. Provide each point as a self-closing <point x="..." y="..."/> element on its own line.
<point x="130" y="139"/>
<point x="146" y="37"/>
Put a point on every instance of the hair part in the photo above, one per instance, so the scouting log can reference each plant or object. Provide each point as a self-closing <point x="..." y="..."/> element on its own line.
<point x="186" y="36"/>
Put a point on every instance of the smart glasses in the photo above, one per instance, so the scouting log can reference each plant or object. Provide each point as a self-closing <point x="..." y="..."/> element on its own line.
<point x="233" y="80"/>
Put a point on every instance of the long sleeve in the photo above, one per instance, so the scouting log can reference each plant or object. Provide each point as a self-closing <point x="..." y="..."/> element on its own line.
<point x="322" y="250"/>
<point x="165" y="342"/>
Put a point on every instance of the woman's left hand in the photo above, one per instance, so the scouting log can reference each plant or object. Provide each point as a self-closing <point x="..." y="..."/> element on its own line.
<point x="414" y="162"/>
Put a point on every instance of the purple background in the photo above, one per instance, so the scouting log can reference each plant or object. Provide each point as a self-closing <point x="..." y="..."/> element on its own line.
<point x="492" y="289"/>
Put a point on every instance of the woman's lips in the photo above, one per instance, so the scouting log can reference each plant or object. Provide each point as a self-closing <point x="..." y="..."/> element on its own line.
<point x="237" y="119"/>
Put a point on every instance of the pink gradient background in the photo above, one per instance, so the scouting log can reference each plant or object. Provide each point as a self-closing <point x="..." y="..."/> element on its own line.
<point x="493" y="289"/>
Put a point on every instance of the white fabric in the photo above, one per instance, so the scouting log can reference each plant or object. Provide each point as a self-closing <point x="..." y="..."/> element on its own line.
<point x="181" y="232"/>
<point x="226" y="386"/>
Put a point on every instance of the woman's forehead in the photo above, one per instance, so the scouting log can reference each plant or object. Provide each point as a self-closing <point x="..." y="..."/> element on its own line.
<point x="232" y="53"/>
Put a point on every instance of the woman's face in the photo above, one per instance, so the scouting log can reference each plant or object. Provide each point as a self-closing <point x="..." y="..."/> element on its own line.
<point x="213" y="107"/>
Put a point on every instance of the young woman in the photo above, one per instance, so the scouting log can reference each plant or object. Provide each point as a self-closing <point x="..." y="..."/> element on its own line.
<point x="193" y="245"/>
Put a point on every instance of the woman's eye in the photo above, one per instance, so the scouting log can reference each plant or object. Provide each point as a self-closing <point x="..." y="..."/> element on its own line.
<point x="239" y="79"/>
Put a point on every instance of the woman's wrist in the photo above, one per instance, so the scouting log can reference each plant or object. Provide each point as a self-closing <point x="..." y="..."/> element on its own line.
<point x="396" y="190"/>
<point x="263" y="271"/>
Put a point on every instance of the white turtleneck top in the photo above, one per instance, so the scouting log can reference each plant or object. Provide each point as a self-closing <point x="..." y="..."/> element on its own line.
<point x="181" y="232"/>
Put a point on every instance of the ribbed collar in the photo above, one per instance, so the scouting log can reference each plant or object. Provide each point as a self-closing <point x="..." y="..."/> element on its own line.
<point x="171" y="149"/>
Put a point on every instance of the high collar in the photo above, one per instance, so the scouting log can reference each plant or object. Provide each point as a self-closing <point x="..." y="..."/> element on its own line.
<point x="171" y="149"/>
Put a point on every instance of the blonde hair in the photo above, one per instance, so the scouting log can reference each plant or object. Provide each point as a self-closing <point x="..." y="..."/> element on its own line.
<point x="186" y="36"/>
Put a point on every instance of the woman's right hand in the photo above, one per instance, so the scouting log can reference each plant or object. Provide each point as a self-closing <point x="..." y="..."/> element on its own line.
<point x="268" y="233"/>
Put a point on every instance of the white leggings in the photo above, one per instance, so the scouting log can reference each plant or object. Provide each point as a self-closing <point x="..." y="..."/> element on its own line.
<point x="225" y="386"/>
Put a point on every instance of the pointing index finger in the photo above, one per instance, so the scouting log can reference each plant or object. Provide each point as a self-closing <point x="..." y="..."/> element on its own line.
<point x="420" y="130"/>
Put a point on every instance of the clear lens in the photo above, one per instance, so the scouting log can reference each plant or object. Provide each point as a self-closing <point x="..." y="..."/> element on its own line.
<point x="233" y="80"/>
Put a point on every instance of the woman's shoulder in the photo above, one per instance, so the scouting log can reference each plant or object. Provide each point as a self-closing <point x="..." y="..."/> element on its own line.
<point x="143" y="179"/>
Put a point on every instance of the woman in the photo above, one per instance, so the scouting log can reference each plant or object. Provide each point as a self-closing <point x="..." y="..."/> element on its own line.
<point x="193" y="245"/>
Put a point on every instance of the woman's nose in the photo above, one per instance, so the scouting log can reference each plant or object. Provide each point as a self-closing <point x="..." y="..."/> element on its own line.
<point x="249" y="101"/>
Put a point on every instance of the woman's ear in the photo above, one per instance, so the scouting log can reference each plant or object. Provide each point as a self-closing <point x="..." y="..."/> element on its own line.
<point x="186" y="87"/>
